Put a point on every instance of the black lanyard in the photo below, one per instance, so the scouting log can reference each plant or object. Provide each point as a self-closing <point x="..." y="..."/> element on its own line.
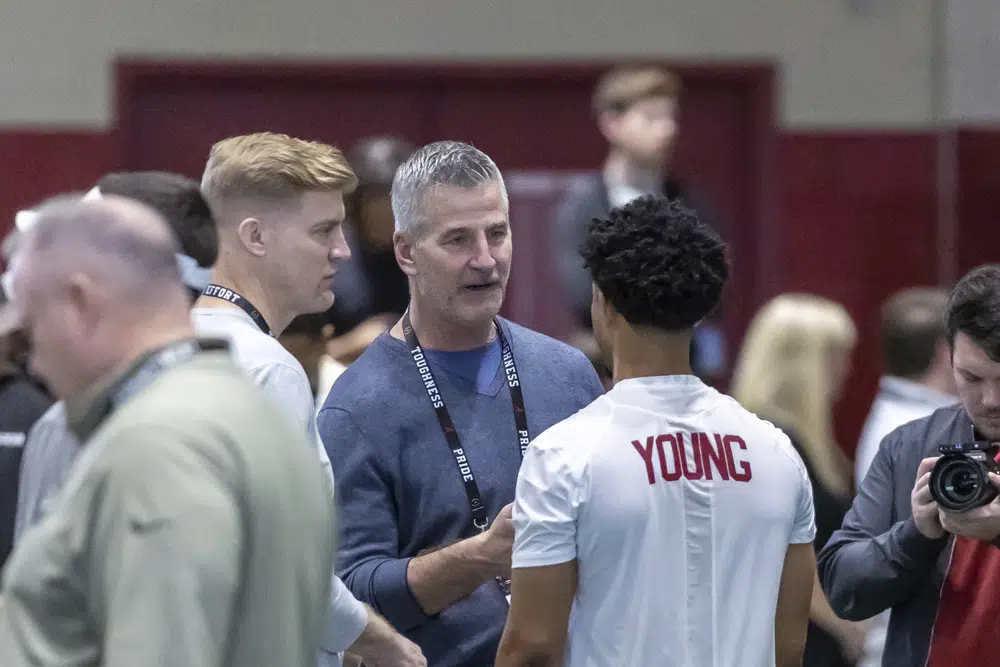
<point x="219" y="292"/>
<point x="153" y="367"/>
<point x="479" y="518"/>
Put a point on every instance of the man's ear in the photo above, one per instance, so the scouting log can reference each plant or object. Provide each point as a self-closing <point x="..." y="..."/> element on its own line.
<point x="600" y="302"/>
<point x="596" y="297"/>
<point x="88" y="299"/>
<point x="252" y="236"/>
<point x="607" y="123"/>
<point x="402" y="245"/>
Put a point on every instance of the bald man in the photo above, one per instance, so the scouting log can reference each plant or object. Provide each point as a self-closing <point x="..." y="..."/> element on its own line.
<point x="50" y="448"/>
<point x="170" y="543"/>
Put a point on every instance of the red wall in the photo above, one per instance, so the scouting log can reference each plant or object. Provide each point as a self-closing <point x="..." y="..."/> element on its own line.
<point x="855" y="216"/>
<point x="978" y="237"/>
<point x="856" y="221"/>
<point x="36" y="165"/>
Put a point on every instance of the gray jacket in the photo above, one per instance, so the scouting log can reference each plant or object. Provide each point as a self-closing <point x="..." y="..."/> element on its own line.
<point x="878" y="560"/>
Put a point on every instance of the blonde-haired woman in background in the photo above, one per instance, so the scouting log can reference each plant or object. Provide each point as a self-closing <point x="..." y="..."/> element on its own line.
<point x="791" y="369"/>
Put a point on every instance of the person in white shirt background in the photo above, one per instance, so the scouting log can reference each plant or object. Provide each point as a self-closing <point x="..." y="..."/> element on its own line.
<point x="663" y="524"/>
<point x="307" y="338"/>
<point x="279" y="209"/>
<point x="917" y="380"/>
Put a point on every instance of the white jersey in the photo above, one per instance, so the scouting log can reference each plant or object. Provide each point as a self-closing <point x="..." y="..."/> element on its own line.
<point x="679" y="506"/>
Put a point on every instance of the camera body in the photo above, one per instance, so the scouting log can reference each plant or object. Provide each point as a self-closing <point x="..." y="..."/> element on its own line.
<point x="960" y="478"/>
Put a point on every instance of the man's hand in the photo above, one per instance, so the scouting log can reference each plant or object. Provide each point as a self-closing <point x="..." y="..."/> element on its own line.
<point x="398" y="652"/>
<point x="925" y="511"/>
<point x="498" y="542"/>
<point x="381" y="646"/>
<point x="979" y="523"/>
<point x="441" y="577"/>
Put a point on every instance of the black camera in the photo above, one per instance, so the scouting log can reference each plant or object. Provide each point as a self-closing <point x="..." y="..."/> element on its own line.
<point x="960" y="479"/>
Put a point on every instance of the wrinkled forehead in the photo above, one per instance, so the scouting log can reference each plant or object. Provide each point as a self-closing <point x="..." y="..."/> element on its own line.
<point x="448" y="207"/>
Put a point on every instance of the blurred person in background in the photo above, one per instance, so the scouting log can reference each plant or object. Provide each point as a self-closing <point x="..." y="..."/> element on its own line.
<point x="636" y="108"/>
<point x="169" y="543"/>
<point x="372" y="292"/>
<point x="278" y="202"/>
<point x="791" y="371"/>
<point x="307" y="338"/>
<point x="586" y="343"/>
<point x="918" y="380"/>
<point x="715" y="568"/>
<point x="427" y="428"/>
<point x="899" y="549"/>
<point x="22" y="402"/>
<point x="51" y="446"/>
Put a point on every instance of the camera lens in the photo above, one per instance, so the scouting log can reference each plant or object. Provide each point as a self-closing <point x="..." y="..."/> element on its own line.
<point x="961" y="484"/>
<point x="957" y="485"/>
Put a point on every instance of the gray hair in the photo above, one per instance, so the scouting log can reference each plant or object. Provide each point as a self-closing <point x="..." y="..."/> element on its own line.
<point x="125" y="242"/>
<point x="442" y="163"/>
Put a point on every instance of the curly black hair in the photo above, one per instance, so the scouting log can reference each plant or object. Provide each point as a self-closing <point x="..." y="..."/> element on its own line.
<point x="657" y="263"/>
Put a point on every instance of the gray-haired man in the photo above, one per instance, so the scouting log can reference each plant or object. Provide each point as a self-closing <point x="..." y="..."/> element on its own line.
<point x="51" y="447"/>
<point x="170" y="542"/>
<point x="427" y="428"/>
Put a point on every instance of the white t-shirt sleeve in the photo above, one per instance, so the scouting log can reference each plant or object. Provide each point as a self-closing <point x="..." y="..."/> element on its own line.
<point x="345" y="620"/>
<point x="546" y="505"/>
<point x="804" y="529"/>
<point x="289" y="386"/>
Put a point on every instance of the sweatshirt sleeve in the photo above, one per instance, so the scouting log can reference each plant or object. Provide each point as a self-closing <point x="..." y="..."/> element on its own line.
<point x="368" y="559"/>
<point x="874" y="561"/>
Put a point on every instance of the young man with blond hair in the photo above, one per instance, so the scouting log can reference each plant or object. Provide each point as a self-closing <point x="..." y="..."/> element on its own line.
<point x="279" y="207"/>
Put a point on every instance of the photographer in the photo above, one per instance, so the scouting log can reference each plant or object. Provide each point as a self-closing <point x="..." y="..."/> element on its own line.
<point x="899" y="549"/>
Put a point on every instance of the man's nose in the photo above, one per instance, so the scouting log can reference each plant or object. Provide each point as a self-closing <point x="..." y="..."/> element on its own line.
<point x="339" y="249"/>
<point x="482" y="258"/>
<point x="991" y="395"/>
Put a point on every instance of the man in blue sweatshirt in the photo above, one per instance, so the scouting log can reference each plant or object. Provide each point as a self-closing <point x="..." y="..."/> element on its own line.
<point x="426" y="430"/>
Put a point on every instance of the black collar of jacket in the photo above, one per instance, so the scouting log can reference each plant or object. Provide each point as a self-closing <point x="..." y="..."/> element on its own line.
<point x="88" y="410"/>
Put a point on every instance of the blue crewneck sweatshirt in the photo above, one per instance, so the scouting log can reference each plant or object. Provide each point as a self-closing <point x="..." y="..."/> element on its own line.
<point x="478" y="366"/>
<point x="399" y="491"/>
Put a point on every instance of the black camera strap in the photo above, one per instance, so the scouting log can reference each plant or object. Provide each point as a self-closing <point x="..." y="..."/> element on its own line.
<point x="226" y="294"/>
